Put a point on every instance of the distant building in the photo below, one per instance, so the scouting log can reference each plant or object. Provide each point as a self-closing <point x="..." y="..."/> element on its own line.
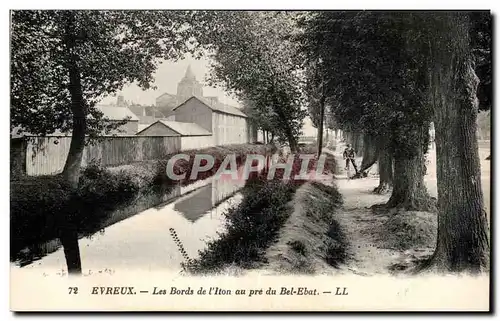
<point x="174" y="128"/>
<point x="227" y="124"/>
<point x="146" y="114"/>
<point x="117" y="114"/>
<point x="120" y="101"/>
<point x="192" y="135"/>
<point x="188" y="87"/>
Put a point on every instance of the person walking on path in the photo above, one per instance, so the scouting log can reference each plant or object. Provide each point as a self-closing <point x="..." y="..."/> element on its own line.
<point x="350" y="157"/>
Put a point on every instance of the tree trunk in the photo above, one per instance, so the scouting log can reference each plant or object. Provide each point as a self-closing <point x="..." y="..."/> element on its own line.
<point x="409" y="191"/>
<point x="71" y="172"/>
<point x="385" y="168"/>
<point x="347" y="137"/>
<point x="320" y="127"/>
<point x="463" y="240"/>
<point x="370" y="153"/>
<point x="354" y="142"/>
<point x="292" y="140"/>
<point x="69" y="240"/>
<point x="358" y="143"/>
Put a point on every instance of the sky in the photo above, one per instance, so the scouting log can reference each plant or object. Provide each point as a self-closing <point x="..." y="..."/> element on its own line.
<point x="167" y="77"/>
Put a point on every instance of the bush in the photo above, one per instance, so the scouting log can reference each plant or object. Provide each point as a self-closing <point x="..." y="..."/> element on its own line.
<point x="40" y="206"/>
<point x="34" y="205"/>
<point x="99" y="193"/>
<point x="251" y="228"/>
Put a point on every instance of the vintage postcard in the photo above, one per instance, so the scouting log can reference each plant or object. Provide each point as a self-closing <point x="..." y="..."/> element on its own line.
<point x="203" y="160"/>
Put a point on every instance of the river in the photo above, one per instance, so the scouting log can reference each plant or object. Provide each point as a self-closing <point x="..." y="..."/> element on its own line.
<point x="144" y="241"/>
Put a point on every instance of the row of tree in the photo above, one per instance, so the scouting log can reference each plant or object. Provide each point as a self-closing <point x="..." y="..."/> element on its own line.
<point x="387" y="75"/>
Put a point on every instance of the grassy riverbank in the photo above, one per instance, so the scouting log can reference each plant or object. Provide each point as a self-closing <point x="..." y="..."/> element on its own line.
<point x="41" y="205"/>
<point x="268" y="208"/>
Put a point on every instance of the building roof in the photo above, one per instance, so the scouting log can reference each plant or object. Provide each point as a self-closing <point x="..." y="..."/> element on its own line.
<point x="141" y="127"/>
<point x="137" y="110"/>
<point x="147" y="120"/>
<point x="166" y="94"/>
<point x="117" y="113"/>
<point x="217" y="107"/>
<point x="183" y="129"/>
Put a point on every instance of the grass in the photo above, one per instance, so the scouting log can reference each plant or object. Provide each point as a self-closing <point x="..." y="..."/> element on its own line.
<point x="405" y="230"/>
<point x="311" y="240"/>
<point x="251" y="227"/>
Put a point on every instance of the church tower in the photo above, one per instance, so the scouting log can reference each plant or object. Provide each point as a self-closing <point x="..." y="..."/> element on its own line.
<point x="188" y="86"/>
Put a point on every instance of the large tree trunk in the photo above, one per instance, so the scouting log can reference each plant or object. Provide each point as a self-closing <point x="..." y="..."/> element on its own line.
<point x="409" y="191"/>
<point x="385" y="168"/>
<point x="370" y="152"/>
<point x="358" y="144"/>
<point x="71" y="172"/>
<point x="292" y="141"/>
<point x="463" y="240"/>
<point x="353" y="139"/>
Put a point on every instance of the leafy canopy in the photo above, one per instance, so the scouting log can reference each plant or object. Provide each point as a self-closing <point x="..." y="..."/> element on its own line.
<point x="113" y="48"/>
<point x="374" y="72"/>
<point x="253" y="57"/>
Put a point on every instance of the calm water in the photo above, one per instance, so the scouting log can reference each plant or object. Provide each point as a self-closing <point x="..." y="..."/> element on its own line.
<point x="144" y="240"/>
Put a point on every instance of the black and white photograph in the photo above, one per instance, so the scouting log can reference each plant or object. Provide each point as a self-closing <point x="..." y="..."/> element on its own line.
<point x="250" y="160"/>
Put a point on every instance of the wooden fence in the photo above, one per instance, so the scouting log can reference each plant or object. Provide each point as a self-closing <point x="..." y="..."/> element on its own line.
<point x="47" y="155"/>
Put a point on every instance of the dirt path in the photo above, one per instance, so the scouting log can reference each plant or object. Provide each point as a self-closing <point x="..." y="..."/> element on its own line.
<point x="379" y="242"/>
<point x="360" y="225"/>
<point x="368" y="255"/>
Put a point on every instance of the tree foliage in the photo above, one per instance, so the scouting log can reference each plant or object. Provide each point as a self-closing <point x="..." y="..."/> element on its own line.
<point x="113" y="48"/>
<point x="375" y="73"/>
<point x="252" y="56"/>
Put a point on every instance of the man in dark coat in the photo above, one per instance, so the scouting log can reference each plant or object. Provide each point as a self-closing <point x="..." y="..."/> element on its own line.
<point x="350" y="157"/>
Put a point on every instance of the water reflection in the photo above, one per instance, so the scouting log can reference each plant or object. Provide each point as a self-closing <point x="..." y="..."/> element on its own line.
<point x="139" y="233"/>
<point x="201" y="201"/>
<point x="196" y="204"/>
